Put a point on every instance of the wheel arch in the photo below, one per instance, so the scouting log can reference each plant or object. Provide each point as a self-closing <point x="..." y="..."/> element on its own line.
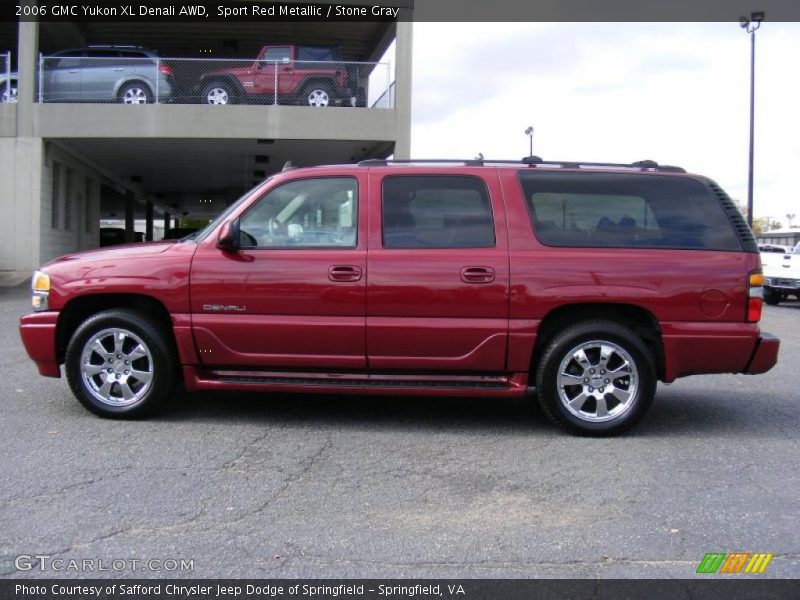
<point x="640" y="320"/>
<point x="137" y="79"/>
<point x="77" y="310"/>
<point x="230" y="80"/>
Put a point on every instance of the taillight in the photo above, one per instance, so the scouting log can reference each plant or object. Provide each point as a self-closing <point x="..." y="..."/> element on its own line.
<point x="165" y="70"/>
<point x="755" y="294"/>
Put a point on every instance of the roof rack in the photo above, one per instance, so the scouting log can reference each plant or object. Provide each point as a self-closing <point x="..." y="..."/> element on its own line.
<point x="530" y="161"/>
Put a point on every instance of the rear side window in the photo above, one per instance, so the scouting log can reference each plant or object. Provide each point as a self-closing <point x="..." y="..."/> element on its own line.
<point x="436" y="212"/>
<point x="625" y="210"/>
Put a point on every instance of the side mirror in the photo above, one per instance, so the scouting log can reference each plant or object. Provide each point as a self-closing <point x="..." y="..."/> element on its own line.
<point x="228" y="237"/>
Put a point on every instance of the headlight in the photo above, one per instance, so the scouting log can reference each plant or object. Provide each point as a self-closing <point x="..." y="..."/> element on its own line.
<point x="40" y="287"/>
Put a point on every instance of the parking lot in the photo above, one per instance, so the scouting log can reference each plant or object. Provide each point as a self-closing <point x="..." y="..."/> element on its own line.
<point x="295" y="486"/>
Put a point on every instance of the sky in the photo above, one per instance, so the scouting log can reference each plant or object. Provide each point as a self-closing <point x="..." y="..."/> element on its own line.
<point x="676" y="93"/>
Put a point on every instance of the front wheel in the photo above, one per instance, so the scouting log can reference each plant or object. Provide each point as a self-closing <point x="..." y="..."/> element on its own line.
<point x="218" y="92"/>
<point x="120" y="364"/>
<point x="596" y="378"/>
<point x="9" y="95"/>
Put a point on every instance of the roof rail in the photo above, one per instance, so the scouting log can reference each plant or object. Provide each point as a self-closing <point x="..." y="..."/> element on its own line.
<point x="530" y="161"/>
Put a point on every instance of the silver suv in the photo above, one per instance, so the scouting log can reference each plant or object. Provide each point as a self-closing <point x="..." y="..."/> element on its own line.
<point x="126" y="74"/>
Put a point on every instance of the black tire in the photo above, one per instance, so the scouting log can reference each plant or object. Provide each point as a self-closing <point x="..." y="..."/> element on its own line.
<point x="135" y="92"/>
<point x="159" y="361"/>
<point x="218" y="92"/>
<point x="772" y="296"/>
<point x="317" y="95"/>
<point x="594" y="381"/>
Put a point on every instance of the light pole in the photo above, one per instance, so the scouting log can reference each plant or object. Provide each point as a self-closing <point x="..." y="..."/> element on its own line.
<point x="529" y="133"/>
<point x="751" y="24"/>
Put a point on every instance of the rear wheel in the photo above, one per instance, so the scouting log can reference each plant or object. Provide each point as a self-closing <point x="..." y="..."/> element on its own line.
<point x="318" y="95"/>
<point x="120" y="364"/>
<point x="596" y="378"/>
<point x="135" y="92"/>
<point x="772" y="296"/>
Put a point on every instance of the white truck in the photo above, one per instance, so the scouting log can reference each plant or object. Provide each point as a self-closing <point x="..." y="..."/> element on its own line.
<point x="781" y="275"/>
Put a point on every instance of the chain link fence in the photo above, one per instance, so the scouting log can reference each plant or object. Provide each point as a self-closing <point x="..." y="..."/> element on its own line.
<point x="149" y="79"/>
<point x="8" y="80"/>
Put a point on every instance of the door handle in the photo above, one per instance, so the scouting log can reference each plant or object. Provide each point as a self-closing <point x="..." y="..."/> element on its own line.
<point x="119" y="69"/>
<point x="72" y="71"/>
<point x="477" y="274"/>
<point x="344" y="273"/>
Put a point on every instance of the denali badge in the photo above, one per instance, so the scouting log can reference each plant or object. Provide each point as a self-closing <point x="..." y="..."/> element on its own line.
<point x="224" y="308"/>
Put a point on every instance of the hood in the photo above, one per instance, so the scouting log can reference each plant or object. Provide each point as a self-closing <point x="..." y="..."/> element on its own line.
<point x="121" y="252"/>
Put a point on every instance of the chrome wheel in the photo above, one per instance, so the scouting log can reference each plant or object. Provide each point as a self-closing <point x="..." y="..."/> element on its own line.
<point x="9" y="95"/>
<point x="134" y="95"/>
<point x="217" y="95"/>
<point x="117" y="367"/>
<point x="597" y="381"/>
<point x="318" y="97"/>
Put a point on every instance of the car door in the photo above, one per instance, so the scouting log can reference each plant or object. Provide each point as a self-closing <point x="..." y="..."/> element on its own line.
<point x="61" y="78"/>
<point x="294" y="295"/>
<point x="437" y="295"/>
<point x="101" y="70"/>
<point x="275" y="59"/>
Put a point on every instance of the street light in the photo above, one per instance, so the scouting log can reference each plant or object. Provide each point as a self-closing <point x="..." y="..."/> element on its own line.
<point x="529" y="133"/>
<point x="750" y="25"/>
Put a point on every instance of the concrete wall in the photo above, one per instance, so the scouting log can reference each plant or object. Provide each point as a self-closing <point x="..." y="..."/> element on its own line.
<point x="83" y="204"/>
<point x="8" y="120"/>
<point x="20" y="183"/>
<point x="188" y="121"/>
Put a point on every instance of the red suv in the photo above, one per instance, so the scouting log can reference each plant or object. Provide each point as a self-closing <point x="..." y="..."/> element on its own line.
<point x="589" y="282"/>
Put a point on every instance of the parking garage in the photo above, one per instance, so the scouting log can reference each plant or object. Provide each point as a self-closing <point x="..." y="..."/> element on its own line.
<point x="72" y="165"/>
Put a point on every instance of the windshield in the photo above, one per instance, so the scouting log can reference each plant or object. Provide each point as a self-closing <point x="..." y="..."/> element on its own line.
<point x="797" y="248"/>
<point x="202" y="233"/>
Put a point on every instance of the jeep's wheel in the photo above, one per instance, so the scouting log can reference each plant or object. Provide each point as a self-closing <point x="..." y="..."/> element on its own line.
<point x="120" y="364"/>
<point x="772" y="296"/>
<point x="596" y="378"/>
<point x="135" y="93"/>
<point x="317" y="95"/>
<point x="218" y="93"/>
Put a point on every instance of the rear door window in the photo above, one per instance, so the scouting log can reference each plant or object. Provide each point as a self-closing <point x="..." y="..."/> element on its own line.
<point x="436" y="212"/>
<point x="625" y="210"/>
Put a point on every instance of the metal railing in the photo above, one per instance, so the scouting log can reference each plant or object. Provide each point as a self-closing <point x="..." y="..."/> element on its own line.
<point x="8" y="84"/>
<point x="146" y="80"/>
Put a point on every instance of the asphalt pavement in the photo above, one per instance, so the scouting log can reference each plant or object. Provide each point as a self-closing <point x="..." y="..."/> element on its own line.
<point x="278" y="486"/>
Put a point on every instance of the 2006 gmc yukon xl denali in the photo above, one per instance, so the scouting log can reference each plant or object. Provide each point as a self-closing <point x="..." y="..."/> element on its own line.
<point x="589" y="282"/>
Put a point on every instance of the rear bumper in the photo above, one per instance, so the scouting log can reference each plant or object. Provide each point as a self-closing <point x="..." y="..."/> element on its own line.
<point x="706" y="348"/>
<point x="765" y="355"/>
<point x="38" y="333"/>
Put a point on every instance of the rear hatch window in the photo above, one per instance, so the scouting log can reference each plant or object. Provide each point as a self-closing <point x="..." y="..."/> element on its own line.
<point x="625" y="210"/>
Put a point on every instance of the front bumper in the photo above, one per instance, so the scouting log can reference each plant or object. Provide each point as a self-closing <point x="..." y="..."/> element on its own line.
<point x="38" y="333"/>
<point x="765" y="355"/>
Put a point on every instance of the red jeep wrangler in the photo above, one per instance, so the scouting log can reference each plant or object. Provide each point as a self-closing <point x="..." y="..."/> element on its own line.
<point x="304" y="75"/>
<point x="588" y="282"/>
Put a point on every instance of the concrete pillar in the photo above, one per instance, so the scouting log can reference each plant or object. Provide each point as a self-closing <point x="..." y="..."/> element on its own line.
<point x="402" y="89"/>
<point x="148" y="225"/>
<point x="27" y="64"/>
<point x="130" y="214"/>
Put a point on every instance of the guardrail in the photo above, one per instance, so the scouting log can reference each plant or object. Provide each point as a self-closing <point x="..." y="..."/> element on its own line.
<point x="145" y="80"/>
<point x="8" y="84"/>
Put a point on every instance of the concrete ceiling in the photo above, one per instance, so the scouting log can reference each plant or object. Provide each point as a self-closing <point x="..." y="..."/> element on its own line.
<point x="201" y="176"/>
<point x="358" y="40"/>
